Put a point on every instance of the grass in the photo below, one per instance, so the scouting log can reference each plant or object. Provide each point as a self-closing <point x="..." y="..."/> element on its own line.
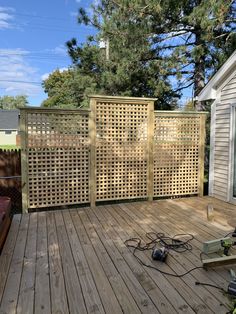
<point x="9" y="147"/>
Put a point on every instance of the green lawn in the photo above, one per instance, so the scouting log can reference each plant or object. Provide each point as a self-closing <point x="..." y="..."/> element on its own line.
<point x="9" y="147"/>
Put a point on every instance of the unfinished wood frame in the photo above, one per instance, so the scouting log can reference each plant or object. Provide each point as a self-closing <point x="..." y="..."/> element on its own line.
<point x="179" y="139"/>
<point x="55" y="163"/>
<point x="119" y="149"/>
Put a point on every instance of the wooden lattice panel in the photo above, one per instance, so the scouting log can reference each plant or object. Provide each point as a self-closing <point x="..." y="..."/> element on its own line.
<point x="58" y="158"/>
<point x="121" y="150"/>
<point x="176" y="154"/>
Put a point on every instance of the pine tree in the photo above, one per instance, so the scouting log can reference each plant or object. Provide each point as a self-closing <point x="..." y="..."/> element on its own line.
<point x="157" y="48"/>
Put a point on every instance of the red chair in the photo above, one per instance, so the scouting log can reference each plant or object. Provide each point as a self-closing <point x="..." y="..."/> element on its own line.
<point x="5" y="208"/>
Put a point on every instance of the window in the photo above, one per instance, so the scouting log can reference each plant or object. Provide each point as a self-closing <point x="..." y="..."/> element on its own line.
<point x="8" y="132"/>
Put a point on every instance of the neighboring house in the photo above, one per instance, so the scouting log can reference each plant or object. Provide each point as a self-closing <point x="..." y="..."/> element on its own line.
<point x="9" y="127"/>
<point x="221" y="90"/>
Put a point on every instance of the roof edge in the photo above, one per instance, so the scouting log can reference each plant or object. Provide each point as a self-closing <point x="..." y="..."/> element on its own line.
<point x="209" y="91"/>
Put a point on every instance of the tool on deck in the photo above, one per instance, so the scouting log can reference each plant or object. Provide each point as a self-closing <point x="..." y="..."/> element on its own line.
<point x="232" y="284"/>
<point x="160" y="254"/>
<point x="221" y="247"/>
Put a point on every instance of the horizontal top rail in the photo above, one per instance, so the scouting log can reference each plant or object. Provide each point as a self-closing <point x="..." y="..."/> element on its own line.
<point x="180" y="112"/>
<point x="122" y="98"/>
<point x="57" y="110"/>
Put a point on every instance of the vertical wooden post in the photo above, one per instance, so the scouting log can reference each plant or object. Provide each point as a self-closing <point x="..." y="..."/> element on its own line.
<point x="92" y="143"/>
<point x="150" y="163"/>
<point x="24" y="164"/>
<point x="202" y="135"/>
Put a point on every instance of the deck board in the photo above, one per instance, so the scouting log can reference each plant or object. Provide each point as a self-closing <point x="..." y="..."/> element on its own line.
<point x="57" y="282"/>
<point x="12" y="287"/>
<point x="75" y="261"/>
<point x="7" y="252"/>
<point x="111" y="262"/>
<point x="25" y="303"/>
<point x="180" y="265"/>
<point x="42" y="284"/>
<point x="109" y="299"/>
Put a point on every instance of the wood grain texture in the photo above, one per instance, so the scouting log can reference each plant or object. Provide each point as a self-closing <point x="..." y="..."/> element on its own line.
<point x="72" y="283"/>
<point x="7" y="252"/>
<point x="120" y="149"/>
<point x="25" y="303"/>
<point x="91" y="296"/>
<point x="42" y="285"/>
<point x="57" y="283"/>
<point x="12" y="287"/>
<point x="77" y="262"/>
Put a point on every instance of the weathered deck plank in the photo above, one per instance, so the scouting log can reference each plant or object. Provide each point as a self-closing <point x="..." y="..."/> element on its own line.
<point x="180" y="264"/>
<point x="136" y="272"/>
<point x="7" y="252"/>
<point x="91" y="295"/>
<point x="73" y="288"/>
<point x="109" y="255"/>
<point x="110" y="302"/>
<point x="171" y="227"/>
<point x="57" y="284"/>
<point x="11" y="292"/>
<point x="166" y="284"/>
<point x="25" y="303"/>
<point x="42" y="284"/>
<point x="75" y="261"/>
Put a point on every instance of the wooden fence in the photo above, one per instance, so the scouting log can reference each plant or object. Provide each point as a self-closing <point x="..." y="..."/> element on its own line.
<point x="10" y="177"/>
<point x="119" y="149"/>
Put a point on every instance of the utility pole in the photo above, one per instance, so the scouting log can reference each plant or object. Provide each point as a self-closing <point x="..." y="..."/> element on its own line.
<point x="104" y="44"/>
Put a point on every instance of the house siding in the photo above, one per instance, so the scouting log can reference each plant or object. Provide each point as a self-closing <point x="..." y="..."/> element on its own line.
<point x="222" y="141"/>
<point x="8" y="139"/>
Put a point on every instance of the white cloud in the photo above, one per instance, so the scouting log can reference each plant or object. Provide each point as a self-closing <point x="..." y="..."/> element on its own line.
<point x="16" y="75"/>
<point x="77" y="1"/>
<point x="46" y="75"/>
<point x="60" y="50"/>
<point x="6" y="17"/>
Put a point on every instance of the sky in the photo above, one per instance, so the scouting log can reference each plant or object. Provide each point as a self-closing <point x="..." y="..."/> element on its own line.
<point x="32" y="43"/>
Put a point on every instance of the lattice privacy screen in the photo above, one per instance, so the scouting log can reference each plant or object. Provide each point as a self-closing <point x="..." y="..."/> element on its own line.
<point x="57" y="153"/>
<point x="121" y="150"/>
<point x="176" y="154"/>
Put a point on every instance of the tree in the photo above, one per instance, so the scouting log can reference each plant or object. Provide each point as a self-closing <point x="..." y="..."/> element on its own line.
<point x="124" y="71"/>
<point x="11" y="102"/>
<point x="157" y="47"/>
<point x="67" y="89"/>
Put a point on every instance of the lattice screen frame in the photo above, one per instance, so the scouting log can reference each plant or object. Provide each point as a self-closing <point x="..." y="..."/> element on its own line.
<point x="150" y="156"/>
<point x="139" y="191"/>
<point x="178" y="159"/>
<point x="54" y="157"/>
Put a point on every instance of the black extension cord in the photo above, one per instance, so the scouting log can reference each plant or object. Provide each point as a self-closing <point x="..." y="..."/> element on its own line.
<point x="169" y="243"/>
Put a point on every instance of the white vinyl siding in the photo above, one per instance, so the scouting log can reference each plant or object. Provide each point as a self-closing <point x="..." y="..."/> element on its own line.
<point x="222" y="141"/>
<point x="8" y="139"/>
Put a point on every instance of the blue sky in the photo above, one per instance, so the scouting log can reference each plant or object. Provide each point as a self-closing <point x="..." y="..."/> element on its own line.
<point x="32" y="43"/>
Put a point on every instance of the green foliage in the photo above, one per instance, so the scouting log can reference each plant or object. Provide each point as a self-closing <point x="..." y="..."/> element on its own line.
<point x="11" y="102"/>
<point x="68" y="89"/>
<point x="154" y="48"/>
<point x="153" y="41"/>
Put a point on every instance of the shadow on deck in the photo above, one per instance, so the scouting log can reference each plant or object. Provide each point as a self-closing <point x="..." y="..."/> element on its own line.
<point x="75" y="261"/>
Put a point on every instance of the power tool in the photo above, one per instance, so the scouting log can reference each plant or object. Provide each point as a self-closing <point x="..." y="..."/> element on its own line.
<point x="232" y="284"/>
<point x="217" y="245"/>
<point x="221" y="247"/>
<point x="160" y="254"/>
<point x="226" y="245"/>
<point x="232" y="287"/>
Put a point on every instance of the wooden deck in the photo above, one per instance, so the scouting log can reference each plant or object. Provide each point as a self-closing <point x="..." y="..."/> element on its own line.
<point x="76" y="261"/>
